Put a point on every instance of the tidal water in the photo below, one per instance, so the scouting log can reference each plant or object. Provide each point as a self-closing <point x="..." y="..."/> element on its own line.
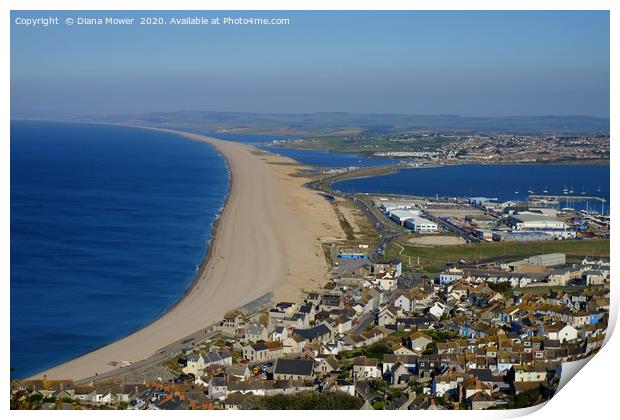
<point x="326" y="159"/>
<point x="108" y="226"/>
<point x="504" y="182"/>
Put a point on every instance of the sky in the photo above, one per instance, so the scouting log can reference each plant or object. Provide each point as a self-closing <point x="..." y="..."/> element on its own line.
<point x="471" y="63"/>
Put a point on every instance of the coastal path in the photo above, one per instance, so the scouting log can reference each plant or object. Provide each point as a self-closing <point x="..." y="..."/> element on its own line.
<point x="162" y="354"/>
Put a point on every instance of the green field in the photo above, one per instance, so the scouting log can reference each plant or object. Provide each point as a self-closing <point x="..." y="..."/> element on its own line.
<point x="368" y="145"/>
<point x="434" y="259"/>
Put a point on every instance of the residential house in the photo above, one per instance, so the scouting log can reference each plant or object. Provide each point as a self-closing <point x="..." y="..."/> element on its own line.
<point x="403" y="302"/>
<point x="295" y="369"/>
<point x="235" y="400"/>
<point x="437" y="309"/>
<point x="364" y="368"/>
<point x="217" y="387"/>
<point x="279" y="333"/>
<point x="315" y="334"/>
<point x="328" y="365"/>
<point x="527" y="373"/>
<point x="255" y="333"/>
<point x="387" y="315"/>
<point x="263" y="351"/>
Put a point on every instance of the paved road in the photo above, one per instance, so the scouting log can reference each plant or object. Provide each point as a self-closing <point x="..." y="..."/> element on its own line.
<point x="162" y="354"/>
<point x="364" y="322"/>
<point x="452" y="228"/>
<point x="388" y="230"/>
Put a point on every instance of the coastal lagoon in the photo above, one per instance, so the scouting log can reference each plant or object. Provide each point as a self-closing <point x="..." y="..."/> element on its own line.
<point x="504" y="182"/>
<point x="108" y="226"/>
<point x="327" y="159"/>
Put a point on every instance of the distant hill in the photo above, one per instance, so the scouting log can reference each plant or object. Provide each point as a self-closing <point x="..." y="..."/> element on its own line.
<point x="340" y="123"/>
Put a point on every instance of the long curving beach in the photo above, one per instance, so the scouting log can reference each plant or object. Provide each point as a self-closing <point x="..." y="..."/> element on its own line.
<point x="267" y="240"/>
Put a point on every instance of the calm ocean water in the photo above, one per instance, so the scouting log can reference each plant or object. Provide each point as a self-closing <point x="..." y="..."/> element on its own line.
<point x="505" y="182"/>
<point x="108" y="225"/>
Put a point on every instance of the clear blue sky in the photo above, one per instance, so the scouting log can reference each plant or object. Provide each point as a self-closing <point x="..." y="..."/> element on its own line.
<point x="467" y="63"/>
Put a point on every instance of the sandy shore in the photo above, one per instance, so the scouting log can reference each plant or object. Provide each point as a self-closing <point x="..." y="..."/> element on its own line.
<point x="267" y="240"/>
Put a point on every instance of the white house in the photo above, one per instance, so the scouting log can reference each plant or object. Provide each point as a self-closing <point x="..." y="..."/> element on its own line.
<point x="218" y="387"/>
<point x="404" y="351"/>
<point x="387" y="316"/>
<point x="419" y="341"/>
<point x="444" y="385"/>
<point x="527" y="373"/>
<point x="344" y="386"/>
<point x="263" y="351"/>
<point x="364" y="368"/>
<point x="328" y="365"/>
<point x="196" y="364"/>
<point x="279" y="333"/>
<point x="437" y="309"/>
<point x="387" y="283"/>
<point x="450" y="275"/>
<point x="403" y="302"/>
<point x="568" y="333"/>
<point x="255" y="333"/>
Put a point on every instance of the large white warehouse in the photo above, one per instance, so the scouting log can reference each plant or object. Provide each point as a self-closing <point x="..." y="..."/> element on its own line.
<point x="400" y="216"/>
<point x="421" y="225"/>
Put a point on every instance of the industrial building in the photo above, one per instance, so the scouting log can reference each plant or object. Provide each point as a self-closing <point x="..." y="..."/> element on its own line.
<point x="400" y="216"/>
<point x="352" y="256"/>
<point x="529" y="220"/>
<point x="389" y="206"/>
<point x="562" y="234"/>
<point x="543" y="260"/>
<point x="481" y="201"/>
<point x="484" y="234"/>
<point x="521" y="236"/>
<point x="547" y="260"/>
<point x="421" y="225"/>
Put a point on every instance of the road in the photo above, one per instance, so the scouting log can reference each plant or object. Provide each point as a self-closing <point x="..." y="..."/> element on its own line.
<point x="452" y="228"/>
<point x="364" y="322"/>
<point x="388" y="231"/>
<point x="162" y="354"/>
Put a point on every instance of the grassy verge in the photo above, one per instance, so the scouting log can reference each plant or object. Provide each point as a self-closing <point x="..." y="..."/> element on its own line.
<point x="434" y="259"/>
<point x="346" y="227"/>
<point x="328" y="254"/>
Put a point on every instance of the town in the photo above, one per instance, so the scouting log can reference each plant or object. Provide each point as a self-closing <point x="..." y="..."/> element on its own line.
<point x="448" y="147"/>
<point x="390" y="333"/>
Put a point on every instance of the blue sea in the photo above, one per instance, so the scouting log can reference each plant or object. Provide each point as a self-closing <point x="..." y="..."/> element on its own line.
<point x="108" y="226"/>
<point x="504" y="182"/>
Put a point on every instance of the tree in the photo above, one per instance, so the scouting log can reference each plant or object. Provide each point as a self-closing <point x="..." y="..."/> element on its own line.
<point x="305" y="400"/>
